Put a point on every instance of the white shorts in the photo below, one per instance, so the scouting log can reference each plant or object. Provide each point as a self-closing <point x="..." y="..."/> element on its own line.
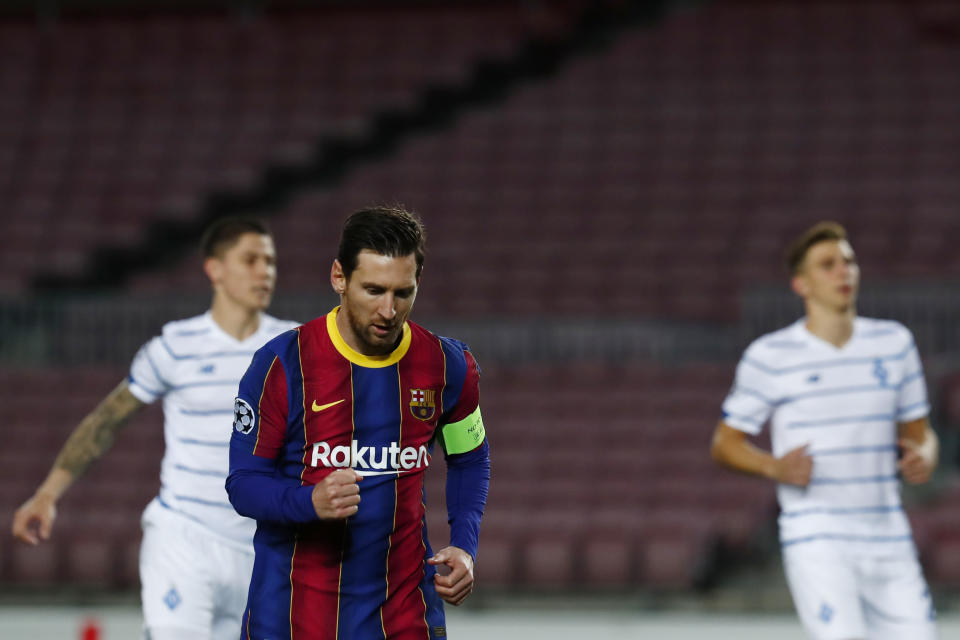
<point x="193" y="584"/>
<point x="844" y="596"/>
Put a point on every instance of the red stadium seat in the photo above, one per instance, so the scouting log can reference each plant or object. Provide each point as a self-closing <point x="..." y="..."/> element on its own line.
<point x="548" y="560"/>
<point x="36" y="566"/>
<point x="497" y="560"/>
<point x="91" y="561"/>
<point x="610" y="561"/>
<point x="951" y="400"/>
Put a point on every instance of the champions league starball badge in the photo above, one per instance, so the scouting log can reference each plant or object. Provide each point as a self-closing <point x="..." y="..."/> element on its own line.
<point x="243" y="417"/>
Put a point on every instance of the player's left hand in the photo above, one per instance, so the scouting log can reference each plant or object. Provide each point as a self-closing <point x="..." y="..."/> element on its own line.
<point x="915" y="466"/>
<point x="457" y="584"/>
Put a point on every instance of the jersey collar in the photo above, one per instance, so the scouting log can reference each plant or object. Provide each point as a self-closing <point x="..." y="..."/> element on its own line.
<point x="255" y="339"/>
<point x="373" y="362"/>
<point x="812" y="338"/>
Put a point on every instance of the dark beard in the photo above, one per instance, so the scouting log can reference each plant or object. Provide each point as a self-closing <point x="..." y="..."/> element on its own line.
<point x="380" y="348"/>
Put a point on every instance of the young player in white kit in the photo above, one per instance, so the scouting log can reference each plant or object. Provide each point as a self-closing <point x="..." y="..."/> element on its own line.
<point x="197" y="554"/>
<point x="843" y="395"/>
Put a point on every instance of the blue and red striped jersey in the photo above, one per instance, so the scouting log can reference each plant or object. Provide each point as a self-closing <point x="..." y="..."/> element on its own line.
<point x="309" y="404"/>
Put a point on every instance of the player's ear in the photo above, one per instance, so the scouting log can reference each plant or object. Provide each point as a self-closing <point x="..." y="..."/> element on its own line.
<point x="799" y="285"/>
<point x="337" y="278"/>
<point x="213" y="268"/>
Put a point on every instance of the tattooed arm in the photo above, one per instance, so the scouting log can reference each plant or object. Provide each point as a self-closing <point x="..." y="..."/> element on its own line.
<point x="92" y="438"/>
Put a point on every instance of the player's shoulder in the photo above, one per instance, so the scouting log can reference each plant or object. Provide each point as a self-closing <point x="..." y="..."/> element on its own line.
<point x="777" y="345"/>
<point x="451" y="345"/>
<point x="182" y="339"/>
<point x="282" y="341"/>
<point x="459" y="364"/>
<point x="883" y="331"/>
<point x="187" y="328"/>
<point x="275" y="326"/>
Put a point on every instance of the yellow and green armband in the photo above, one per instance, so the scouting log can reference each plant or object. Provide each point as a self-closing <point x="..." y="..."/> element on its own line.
<point x="465" y="435"/>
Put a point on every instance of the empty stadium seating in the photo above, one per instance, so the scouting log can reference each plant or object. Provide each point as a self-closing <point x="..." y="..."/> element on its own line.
<point x="590" y="460"/>
<point x="936" y="530"/>
<point x="586" y="463"/>
<point x="671" y="167"/>
<point x="97" y="531"/>
<point x="660" y="177"/>
<point x="657" y="177"/>
<point x="111" y="123"/>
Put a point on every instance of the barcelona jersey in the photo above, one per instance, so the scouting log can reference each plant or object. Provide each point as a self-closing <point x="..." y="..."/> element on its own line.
<point x="308" y="405"/>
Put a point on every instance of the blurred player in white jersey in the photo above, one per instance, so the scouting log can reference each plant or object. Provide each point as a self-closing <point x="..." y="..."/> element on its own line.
<point x="197" y="553"/>
<point x="844" y="396"/>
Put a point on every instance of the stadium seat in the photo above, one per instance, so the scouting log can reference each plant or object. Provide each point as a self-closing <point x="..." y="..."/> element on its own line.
<point x="126" y="154"/>
<point x="91" y="561"/>
<point x="497" y="560"/>
<point x="943" y="561"/>
<point x="950" y="394"/>
<point x="610" y="561"/>
<point x="548" y="560"/>
<point x="36" y="566"/>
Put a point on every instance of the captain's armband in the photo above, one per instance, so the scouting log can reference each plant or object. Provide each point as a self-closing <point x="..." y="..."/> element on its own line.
<point x="465" y="435"/>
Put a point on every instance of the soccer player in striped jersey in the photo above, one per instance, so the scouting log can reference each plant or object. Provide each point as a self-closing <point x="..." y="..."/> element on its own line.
<point x="196" y="555"/>
<point x="847" y="406"/>
<point x="334" y="428"/>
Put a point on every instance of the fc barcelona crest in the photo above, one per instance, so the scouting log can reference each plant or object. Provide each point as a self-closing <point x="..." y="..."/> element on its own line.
<point x="422" y="404"/>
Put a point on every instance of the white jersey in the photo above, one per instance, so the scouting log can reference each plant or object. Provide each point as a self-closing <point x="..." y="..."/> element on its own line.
<point x="845" y="404"/>
<point x="197" y="367"/>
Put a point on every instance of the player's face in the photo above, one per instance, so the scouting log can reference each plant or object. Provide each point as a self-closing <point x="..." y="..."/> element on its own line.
<point x="246" y="272"/>
<point x="375" y="300"/>
<point x="830" y="275"/>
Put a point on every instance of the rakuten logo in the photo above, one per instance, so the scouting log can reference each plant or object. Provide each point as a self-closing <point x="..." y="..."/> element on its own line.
<point x="391" y="459"/>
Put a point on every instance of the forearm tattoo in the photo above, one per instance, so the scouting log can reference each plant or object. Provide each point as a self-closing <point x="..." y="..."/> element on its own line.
<point x="95" y="433"/>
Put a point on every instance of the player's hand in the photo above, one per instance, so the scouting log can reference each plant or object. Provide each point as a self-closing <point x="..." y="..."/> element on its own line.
<point x="915" y="467"/>
<point x="337" y="496"/>
<point x="457" y="564"/>
<point x="795" y="467"/>
<point x="33" y="521"/>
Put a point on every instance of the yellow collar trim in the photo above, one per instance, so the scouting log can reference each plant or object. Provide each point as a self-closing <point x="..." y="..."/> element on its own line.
<point x="373" y="362"/>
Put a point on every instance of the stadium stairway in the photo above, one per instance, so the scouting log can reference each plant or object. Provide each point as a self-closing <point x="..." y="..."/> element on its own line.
<point x="660" y="174"/>
<point x="517" y="148"/>
<point x="252" y="111"/>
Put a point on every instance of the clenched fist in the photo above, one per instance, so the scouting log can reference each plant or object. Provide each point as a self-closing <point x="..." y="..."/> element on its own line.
<point x="338" y="495"/>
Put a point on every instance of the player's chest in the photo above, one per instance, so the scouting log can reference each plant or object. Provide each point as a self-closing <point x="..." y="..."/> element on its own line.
<point x="373" y="404"/>
<point x="206" y="384"/>
<point x="863" y="379"/>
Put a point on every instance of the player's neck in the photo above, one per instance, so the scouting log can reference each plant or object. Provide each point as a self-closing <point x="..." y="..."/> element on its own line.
<point x="347" y="334"/>
<point x="831" y="325"/>
<point x="236" y="321"/>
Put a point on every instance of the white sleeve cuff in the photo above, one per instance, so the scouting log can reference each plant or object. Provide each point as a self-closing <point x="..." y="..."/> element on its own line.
<point x="141" y="393"/>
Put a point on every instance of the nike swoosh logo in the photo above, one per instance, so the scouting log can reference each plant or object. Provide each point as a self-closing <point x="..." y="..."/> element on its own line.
<point x="321" y="407"/>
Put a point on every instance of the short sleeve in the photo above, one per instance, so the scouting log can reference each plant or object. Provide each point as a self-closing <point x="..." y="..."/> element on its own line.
<point x="261" y="407"/>
<point x="749" y="405"/>
<point x="150" y="371"/>
<point x="912" y="401"/>
<point x="469" y="398"/>
<point x="463" y="429"/>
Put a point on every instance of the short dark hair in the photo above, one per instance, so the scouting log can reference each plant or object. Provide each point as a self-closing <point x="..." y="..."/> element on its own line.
<point x="223" y="233"/>
<point x="820" y="232"/>
<point x="389" y="231"/>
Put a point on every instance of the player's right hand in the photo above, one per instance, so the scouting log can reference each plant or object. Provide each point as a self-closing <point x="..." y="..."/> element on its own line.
<point x="795" y="467"/>
<point x="338" y="495"/>
<point x="33" y="521"/>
